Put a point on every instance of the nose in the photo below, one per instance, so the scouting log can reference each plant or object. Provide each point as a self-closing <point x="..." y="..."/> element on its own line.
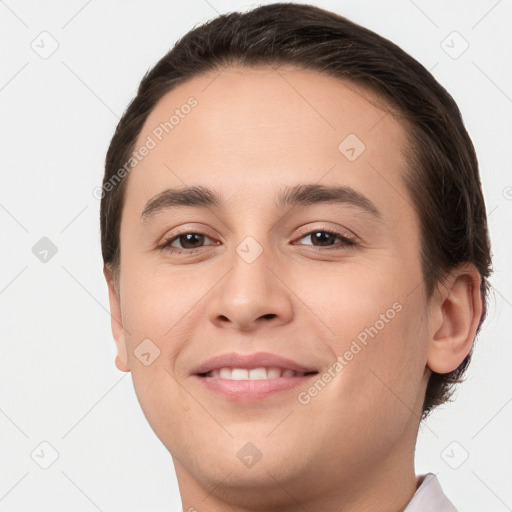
<point x="251" y="295"/>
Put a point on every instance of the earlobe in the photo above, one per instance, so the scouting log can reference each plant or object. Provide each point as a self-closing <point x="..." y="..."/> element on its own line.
<point x="120" y="364"/>
<point x="116" y="323"/>
<point x="458" y="308"/>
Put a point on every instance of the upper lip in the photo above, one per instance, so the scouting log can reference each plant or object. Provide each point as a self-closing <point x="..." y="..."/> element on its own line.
<point x="250" y="361"/>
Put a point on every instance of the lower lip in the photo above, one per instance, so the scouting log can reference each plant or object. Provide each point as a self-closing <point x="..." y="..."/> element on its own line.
<point x="252" y="390"/>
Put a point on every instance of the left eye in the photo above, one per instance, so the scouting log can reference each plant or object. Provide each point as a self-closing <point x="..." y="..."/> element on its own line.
<point x="325" y="239"/>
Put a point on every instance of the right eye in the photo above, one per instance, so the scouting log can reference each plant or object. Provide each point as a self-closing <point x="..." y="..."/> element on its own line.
<point x="189" y="241"/>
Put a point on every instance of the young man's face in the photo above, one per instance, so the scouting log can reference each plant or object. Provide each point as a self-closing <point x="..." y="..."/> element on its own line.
<point x="261" y="281"/>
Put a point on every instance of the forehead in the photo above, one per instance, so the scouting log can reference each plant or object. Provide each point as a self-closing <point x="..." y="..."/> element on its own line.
<point x="244" y="130"/>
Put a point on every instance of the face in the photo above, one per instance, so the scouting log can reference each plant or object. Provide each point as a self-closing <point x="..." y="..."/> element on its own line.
<point x="326" y="277"/>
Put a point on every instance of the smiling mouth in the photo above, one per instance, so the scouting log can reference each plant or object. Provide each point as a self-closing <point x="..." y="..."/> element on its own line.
<point x="262" y="373"/>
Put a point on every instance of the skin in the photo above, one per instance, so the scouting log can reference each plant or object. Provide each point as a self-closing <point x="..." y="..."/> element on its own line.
<point x="351" y="448"/>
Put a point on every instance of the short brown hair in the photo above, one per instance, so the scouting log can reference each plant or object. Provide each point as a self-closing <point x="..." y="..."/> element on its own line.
<point x="443" y="178"/>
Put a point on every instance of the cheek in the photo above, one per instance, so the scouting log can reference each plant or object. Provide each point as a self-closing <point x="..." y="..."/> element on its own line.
<point x="351" y="299"/>
<point x="158" y="303"/>
<point x="383" y="380"/>
<point x="158" y="316"/>
<point x="163" y="402"/>
<point x="378" y="329"/>
<point x="155" y="318"/>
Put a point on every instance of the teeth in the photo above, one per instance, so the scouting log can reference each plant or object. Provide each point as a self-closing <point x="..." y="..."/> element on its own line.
<point x="253" y="374"/>
<point x="257" y="373"/>
<point x="225" y="373"/>
<point x="274" y="373"/>
<point x="237" y="374"/>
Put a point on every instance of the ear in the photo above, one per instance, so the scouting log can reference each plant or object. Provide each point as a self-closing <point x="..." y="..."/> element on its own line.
<point x="116" y="322"/>
<point x="455" y="313"/>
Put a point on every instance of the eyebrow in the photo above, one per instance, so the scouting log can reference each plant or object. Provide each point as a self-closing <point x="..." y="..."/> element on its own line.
<point x="303" y="194"/>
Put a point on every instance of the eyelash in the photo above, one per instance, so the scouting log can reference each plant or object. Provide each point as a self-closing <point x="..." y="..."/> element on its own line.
<point x="345" y="241"/>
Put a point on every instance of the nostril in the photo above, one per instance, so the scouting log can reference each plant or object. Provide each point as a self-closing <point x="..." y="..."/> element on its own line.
<point x="269" y="315"/>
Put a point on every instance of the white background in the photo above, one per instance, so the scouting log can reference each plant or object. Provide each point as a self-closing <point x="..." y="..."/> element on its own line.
<point x="58" y="381"/>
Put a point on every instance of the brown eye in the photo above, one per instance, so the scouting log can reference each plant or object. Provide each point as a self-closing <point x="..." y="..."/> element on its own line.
<point x="326" y="239"/>
<point x="188" y="242"/>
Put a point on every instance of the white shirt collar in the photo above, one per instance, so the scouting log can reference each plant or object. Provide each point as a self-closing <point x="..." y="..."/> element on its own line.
<point x="429" y="497"/>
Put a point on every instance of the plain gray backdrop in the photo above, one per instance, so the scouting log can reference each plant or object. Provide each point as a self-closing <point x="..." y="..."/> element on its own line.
<point x="73" y="436"/>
